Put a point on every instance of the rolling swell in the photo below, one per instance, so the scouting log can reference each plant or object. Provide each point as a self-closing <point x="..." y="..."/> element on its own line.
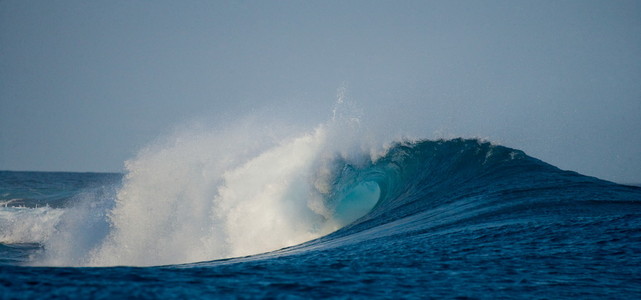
<point x="433" y="186"/>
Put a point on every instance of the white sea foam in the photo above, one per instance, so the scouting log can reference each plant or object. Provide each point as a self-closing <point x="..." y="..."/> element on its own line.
<point x="203" y="195"/>
<point x="27" y="225"/>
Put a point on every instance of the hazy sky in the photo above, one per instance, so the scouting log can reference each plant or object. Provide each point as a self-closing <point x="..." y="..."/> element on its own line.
<point x="85" y="84"/>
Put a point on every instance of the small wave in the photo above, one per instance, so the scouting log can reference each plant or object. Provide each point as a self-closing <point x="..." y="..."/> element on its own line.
<point x="27" y="225"/>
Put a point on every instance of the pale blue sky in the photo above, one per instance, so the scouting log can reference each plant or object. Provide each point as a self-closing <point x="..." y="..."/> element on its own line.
<point x="85" y="84"/>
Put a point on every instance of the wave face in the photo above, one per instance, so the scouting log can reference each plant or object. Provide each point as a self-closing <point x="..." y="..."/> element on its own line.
<point x="324" y="214"/>
<point x="454" y="183"/>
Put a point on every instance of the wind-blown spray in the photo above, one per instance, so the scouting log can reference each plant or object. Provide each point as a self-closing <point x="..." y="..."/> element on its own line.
<point x="203" y="195"/>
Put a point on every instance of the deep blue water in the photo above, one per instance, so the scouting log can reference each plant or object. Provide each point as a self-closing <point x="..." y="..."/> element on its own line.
<point x="453" y="219"/>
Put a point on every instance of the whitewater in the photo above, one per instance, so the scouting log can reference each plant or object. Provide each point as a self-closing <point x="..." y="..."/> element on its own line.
<point x="209" y="194"/>
<point x="263" y="210"/>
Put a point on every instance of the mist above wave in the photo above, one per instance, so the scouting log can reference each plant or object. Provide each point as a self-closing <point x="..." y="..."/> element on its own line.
<point x="204" y="194"/>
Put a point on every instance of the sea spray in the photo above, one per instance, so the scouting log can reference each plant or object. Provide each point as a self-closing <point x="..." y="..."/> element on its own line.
<point x="208" y="194"/>
<point x="82" y="227"/>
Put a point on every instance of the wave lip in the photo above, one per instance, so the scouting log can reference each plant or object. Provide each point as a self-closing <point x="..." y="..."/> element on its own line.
<point x="426" y="185"/>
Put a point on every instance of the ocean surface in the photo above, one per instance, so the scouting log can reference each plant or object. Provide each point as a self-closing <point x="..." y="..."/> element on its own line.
<point x="459" y="218"/>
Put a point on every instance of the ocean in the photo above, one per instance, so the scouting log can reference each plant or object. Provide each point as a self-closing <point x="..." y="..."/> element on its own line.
<point x="455" y="218"/>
